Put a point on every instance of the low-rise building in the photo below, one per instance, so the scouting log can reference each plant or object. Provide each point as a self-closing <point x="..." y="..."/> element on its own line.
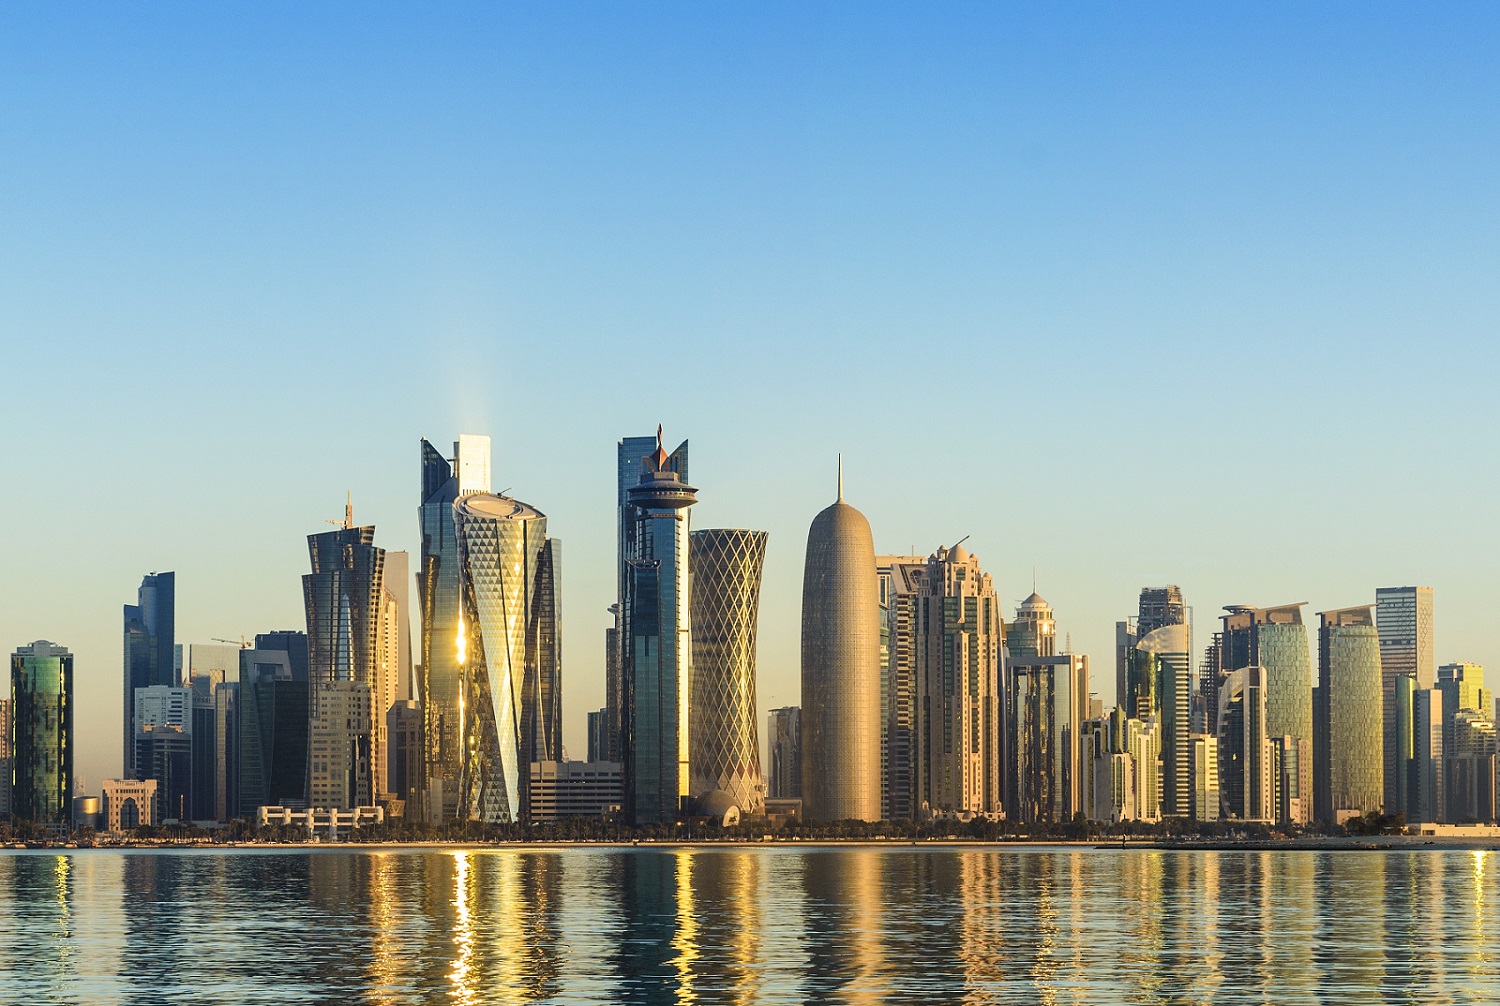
<point x="128" y="804"/>
<point x="575" y="789"/>
<point x="326" y="822"/>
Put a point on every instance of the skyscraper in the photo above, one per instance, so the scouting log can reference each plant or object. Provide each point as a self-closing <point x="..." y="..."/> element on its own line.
<point x="292" y="642"/>
<point x="439" y="590"/>
<point x="723" y="747"/>
<point x="959" y="638"/>
<point x="150" y="649"/>
<point x="5" y="758"/>
<point x="1348" y="764"/>
<point x="1248" y="756"/>
<point x="398" y="588"/>
<point x="656" y="637"/>
<point x="404" y="761"/>
<point x="784" y="730"/>
<point x="1160" y="606"/>
<point x="1034" y="631"/>
<point x="898" y="577"/>
<point x="1403" y="621"/>
<point x="511" y="652"/>
<point x="1160" y="688"/>
<point x="272" y="729"/>
<point x="1274" y="640"/>
<point x="1424" y="795"/>
<point x="204" y="685"/>
<point x="1045" y="758"/>
<point x="631" y="455"/>
<point x="164" y="747"/>
<point x="41" y="697"/>
<point x="840" y="668"/>
<point x="345" y="599"/>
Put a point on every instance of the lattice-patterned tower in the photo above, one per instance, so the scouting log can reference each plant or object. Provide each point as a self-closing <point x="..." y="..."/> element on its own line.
<point x="724" y="751"/>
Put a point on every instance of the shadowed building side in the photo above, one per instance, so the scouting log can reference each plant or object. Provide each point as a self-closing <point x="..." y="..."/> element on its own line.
<point x="840" y="668"/>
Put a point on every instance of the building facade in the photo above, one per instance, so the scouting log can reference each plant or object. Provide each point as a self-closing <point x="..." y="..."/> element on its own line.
<point x="41" y="708"/>
<point x="1160" y="692"/>
<point x="1348" y="743"/>
<point x="784" y="735"/>
<point x="840" y="668"/>
<point x="1034" y="631"/>
<point x="562" y="789"/>
<point x="724" y="744"/>
<point x="632" y="459"/>
<point x="407" y="779"/>
<point x="1046" y="756"/>
<point x="656" y="639"/>
<point x="273" y="723"/>
<point x="511" y="653"/>
<point x="440" y="684"/>
<point x="150" y="649"/>
<point x="1403" y="623"/>
<point x="128" y="804"/>
<point x="898" y="577"/>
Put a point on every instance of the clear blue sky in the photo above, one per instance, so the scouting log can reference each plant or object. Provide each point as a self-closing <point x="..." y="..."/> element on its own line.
<point x="1131" y="294"/>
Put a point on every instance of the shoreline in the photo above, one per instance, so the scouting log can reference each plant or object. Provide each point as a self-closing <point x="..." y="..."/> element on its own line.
<point x="1380" y="843"/>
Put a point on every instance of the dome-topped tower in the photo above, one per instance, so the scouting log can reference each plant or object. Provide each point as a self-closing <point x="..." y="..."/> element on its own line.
<point x="1034" y="632"/>
<point x="840" y="668"/>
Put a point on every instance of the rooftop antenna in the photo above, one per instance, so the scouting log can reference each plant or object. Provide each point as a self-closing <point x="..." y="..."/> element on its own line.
<point x="1033" y="579"/>
<point x="348" y="521"/>
<point x="841" y="477"/>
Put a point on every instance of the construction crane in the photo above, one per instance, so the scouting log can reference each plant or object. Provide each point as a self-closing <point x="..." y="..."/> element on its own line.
<point x="242" y="642"/>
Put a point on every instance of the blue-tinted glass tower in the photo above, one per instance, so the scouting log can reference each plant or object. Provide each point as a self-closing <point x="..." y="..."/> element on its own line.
<point x="150" y="646"/>
<point x="656" y="637"/>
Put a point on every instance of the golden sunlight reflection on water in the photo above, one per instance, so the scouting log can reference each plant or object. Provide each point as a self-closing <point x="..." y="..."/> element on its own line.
<point x="748" y="925"/>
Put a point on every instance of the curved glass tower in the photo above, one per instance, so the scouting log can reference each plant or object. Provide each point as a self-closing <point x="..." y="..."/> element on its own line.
<point x="440" y="686"/>
<point x="724" y="751"/>
<point x="509" y="655"/>
<point x="840" y="668"/>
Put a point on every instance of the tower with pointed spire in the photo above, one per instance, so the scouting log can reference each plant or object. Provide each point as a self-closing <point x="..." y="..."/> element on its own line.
<point x="840" y="667"/>
<point x="655" y="640"/>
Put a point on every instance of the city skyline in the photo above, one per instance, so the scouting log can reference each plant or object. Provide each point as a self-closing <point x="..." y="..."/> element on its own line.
<point x="1202" y="210"/>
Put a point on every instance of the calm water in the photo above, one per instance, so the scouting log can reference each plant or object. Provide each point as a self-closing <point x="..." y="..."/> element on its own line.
<point x="749" y="925"/>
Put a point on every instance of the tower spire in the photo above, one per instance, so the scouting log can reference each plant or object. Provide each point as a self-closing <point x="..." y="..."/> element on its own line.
<point x="841" y="477"/>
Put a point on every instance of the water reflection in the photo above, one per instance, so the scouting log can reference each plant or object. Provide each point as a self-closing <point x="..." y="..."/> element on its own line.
<point x="748" y="925"/>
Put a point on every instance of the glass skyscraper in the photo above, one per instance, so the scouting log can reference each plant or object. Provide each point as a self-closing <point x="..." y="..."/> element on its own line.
<point x="1348" y="762"/>
<point x="1160" y="686"/>
<point x="656" y="640"/>
<point x="150" y="650"/>
<point x="1274" y="640"/>
<point x="1403" y="623"/>
<point x="273" y="721"/>
<point x="724" y="750"/>
<point x="631" y="460"/>
<point x="510" y="653"/>
<point x="41" y="695"/>
<point x="1045" y="702"/>
<point x="439" y="591"/>
<point x="346" y="604"/>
